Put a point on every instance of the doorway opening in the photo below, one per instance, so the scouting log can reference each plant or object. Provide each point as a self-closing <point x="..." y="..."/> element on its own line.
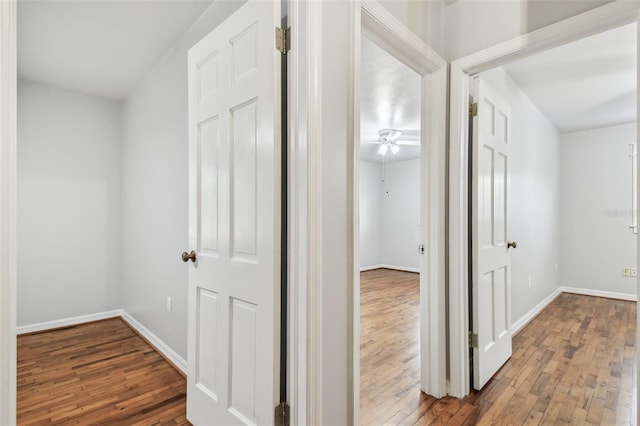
<point x="567" y="224"/>
<point x="379" y="31"/>
<point x="589" y="23"/>
<point x="390" y="237"/>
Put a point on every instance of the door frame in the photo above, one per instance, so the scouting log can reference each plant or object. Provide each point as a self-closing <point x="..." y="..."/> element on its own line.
<point x="589" y="23"/>
<point x="8" y="213"/>
<point x="387" y="32"/>
<point x="305" y="100"/>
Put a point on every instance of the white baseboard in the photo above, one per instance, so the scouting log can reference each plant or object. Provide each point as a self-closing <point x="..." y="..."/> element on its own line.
<point x="600" y="293"/>
<point x="154" y="340"/>
<point x="370" y="267"/>
<point x="176" y="359"/>
<point x="387" y="266"/>
<point x="517" y="326"/>
<point x="66" y="322"/>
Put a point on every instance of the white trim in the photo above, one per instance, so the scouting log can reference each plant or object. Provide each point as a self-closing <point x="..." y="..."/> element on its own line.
<point x="389" y="33"/>
<point x="606" y="17"/>
<point x="526" y="318"/>
<point x="353" y="204"/>
<point x="387" y="266"/>
<point x="8" y="216"/>
<point x="599" y="293"/>
<point x="371" y="267"/>
<point x="296" y="91"/>
<point x="310" y="204"/>
<point x="609" y="16"/>
<point x="385" y="30"/>
<point x="637" y="235"/>
<point x="156" y="342"/>
<point x="66" y="322"/>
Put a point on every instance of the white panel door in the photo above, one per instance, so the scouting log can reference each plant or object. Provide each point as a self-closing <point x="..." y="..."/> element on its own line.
<point x="490" y="252"/>
<point x="234" y="228"/>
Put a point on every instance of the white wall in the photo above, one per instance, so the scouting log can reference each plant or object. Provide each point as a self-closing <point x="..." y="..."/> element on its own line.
<point x="401" y="215"/>
<point x="426" y="19"/>
<point x="473" y="25"/>
<point x="596" y="241"/>
<point x="68" y="204"/>
<point x="534" y="199"/>
<point x="390" y="215"/>
<point x="155" y="189"/>
<point x="370" y="214"/>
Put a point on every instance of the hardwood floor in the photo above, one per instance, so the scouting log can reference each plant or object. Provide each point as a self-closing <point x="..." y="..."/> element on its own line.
<point x="573" y="364"/>
<point x="96" y="373"/>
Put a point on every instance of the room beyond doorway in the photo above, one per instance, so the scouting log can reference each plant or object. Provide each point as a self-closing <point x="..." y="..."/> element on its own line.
<point x="389" y="343"/>
<point x="390" y="217"/>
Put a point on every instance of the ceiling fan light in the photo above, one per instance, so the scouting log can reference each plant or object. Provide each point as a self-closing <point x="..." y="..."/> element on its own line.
<point x="394" y="148"/>
<point x="382" y="150"/>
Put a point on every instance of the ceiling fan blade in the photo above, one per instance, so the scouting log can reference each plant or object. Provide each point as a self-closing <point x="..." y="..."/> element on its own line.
<point x="389" y="135"/>
<point x="395" y="135"/>
<point x="405" y="142"/>
<point x="410" y="135"/>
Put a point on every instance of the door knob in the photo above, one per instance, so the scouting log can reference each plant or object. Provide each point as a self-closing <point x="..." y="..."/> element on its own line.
<point x="189" y="256"/>
<point x="510" y="244"/>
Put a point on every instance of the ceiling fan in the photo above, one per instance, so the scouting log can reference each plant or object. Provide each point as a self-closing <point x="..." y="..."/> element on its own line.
<point x="392" y="139"/>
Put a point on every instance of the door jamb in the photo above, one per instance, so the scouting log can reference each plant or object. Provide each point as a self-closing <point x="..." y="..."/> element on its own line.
<point x="8" y="214"/>
<point x="305" y="211"/>
<point x="389" y="33"/>
<point x="606" y="17"/>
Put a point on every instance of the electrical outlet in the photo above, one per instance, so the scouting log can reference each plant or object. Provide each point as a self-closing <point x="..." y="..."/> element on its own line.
<point x="529" y="282"/>
<point x="626" y="271"/>
<point x="169" y="305"/>
<point x="634" y="272"/>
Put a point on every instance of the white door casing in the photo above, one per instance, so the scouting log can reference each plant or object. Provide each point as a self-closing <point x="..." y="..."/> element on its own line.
<point x="490" y="252"/>
<point x="234" y="201"/>
<point x="603" y="18"/>
<point x="8" y="211"/>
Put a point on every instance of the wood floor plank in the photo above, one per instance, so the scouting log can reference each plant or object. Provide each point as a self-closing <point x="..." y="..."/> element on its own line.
<point x="572" y="364"/>
<point x="96" y="373"/>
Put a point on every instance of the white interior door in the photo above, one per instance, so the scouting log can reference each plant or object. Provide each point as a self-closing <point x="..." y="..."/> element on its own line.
<point x="490" y="251"/>
<point x="234" y="229"/>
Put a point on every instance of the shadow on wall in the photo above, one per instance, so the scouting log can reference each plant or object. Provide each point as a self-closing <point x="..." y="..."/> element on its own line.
<point x="540" y="13"/>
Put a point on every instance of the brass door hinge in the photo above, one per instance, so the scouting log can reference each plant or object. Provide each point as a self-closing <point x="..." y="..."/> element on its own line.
<point x="473" y="109"/>
<point x="282" y="415"/>
<point x="283" y="40"/>
<point x="473" y="340"/>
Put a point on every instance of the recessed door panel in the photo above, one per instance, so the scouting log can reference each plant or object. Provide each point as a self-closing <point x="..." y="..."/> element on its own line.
<point x="500" y="199"/>
<point x="244" y="143"/>
<point x="242" y="358"/>
<point x="486" y="177"/>
<point x="207" y="76"/>
<point x="244" y="54"/>
<point x="206" y="347"/>
<point x="208" y="138"/>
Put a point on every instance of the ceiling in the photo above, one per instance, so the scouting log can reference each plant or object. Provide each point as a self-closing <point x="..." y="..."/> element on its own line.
<point x="389" y="99"/>
<point x="97" y="47"/>
<point x="587" y="84"/>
